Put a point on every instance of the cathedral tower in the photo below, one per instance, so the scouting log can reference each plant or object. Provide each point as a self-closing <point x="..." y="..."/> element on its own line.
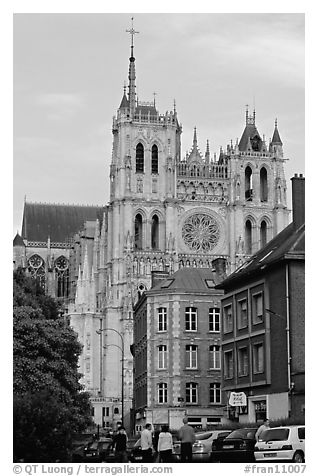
<point x="168" y="211"/>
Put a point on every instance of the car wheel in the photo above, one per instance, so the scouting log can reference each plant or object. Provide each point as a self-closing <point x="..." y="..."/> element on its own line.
<point x="298" y="457"/>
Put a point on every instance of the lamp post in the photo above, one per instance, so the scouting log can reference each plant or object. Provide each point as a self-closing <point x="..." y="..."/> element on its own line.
<point x="122" y="349"/>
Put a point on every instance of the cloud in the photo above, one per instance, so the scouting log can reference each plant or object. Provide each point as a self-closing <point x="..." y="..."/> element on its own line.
<point x="60" y="106"/>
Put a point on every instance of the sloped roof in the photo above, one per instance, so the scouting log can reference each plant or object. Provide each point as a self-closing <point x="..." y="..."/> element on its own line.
<point x="288" y="244"/>
<point x="57" y="221"/>
<point x="18" y="241"/>
<point x="249" y="132"/>
<point x="145" y="109"/>
<point x="124" y="102"/>
<point x="276" y="137"/>
<point x="189" y="279"/>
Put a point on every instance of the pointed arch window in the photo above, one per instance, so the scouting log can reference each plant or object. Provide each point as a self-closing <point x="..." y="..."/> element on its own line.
<point x="62" y="274"/>
<point x="263" y="185"/>
<point x="248" y="184"/>
<point x="36" y="269"/>
<point x="139" y="158"/>
<point x="138" y="232"/>
<point x="248" y="237"/>
<point x="154" y="159"/>
<point x="155" y="232"/>
<point x="263" y="233"/>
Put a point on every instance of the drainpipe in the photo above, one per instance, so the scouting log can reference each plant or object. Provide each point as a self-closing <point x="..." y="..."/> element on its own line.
<point x="288" y="329"/>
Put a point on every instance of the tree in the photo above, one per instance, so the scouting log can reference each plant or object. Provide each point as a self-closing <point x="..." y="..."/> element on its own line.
<point x="49" y="402"/>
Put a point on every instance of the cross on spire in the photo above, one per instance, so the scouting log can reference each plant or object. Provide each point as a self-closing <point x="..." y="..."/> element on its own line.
<point x="132" y="32"/>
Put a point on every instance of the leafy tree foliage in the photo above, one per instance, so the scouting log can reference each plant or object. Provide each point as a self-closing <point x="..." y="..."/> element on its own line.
<point x="49" y="404"/>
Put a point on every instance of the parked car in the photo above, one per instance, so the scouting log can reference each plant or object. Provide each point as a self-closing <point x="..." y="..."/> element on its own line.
<point x="100" y="451"/>
<point x="284" y="443"/>
<point x="216" y="442"/>
<point x="202" y="447"/>
<point x="238" y="446"/>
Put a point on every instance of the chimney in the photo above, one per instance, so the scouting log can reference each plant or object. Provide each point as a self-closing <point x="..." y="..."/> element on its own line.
<point x="298" y="199"/>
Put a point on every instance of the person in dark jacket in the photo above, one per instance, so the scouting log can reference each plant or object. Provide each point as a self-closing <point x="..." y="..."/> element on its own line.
<point x="187" y="438"/>
<point x="120" y="445"/>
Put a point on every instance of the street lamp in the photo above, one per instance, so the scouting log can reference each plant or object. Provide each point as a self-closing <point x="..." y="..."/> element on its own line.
<point x="122" y="349"/>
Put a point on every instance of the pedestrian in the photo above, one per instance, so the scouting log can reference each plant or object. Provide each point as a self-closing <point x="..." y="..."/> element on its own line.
<point x="165" y="445"/>
<point x="261" y="429"/>
<point x="120" y="445"/>
<point x="187" y="438"/>
<point x="146" y="444"/>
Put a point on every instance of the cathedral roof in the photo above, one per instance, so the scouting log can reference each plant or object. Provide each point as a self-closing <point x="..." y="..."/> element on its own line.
<point x="249" y="132"/>
<point x="276" y="137"/>
<point x="18" y="240"/>
<point x="124" y="102"/>
<point x="57" y="221"/>
<point x="190" y="280"/>
<point x="288" y="244"/>
<point x="145" y="109"/>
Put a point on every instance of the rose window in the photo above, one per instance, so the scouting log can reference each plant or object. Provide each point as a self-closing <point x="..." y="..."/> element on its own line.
<point x="200" y="232"/>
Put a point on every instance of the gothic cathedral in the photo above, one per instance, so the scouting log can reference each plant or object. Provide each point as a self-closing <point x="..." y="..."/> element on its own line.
<point x="166" y="211"/>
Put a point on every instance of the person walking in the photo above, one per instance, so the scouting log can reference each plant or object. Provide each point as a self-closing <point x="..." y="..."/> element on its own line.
<point x="261" y="429"/>
<point x="165" y="445"/>
<point x="120" y="445"/>
<point x="146" y="444"/>
<point x="187" y="438"/>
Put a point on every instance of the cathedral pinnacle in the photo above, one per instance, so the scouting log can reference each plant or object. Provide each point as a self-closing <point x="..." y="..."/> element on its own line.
<point x="195" y="142"/>
<point x="132" y="32"/>
<point x="132" y="72"/>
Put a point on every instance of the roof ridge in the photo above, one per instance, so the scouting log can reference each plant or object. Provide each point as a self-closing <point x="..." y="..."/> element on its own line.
<point x="65" y="204"/>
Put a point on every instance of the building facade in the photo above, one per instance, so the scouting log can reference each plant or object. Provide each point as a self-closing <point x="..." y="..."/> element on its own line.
<point x="177" y="351"/>
<point x="166" y="211"/>
<point x="263" y="325"/>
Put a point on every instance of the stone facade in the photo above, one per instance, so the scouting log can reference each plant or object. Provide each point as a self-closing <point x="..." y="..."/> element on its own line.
<point x="166" y="211"/>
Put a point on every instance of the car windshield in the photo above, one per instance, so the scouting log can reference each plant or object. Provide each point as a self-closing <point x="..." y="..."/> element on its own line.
<point x="248" y="433"/>
<point x="203" y="436"/>
<point x="275" y="434"/>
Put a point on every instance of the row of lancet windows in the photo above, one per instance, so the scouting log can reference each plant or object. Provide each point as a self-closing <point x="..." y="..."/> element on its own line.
<point x="249" y="184"/>
<point x="263" y="236"/>
<point x="139" y="232"/>
<point x="140" y="162"/>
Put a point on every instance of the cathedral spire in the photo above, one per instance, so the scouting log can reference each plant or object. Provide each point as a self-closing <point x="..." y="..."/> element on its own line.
<point x="207" y="152"/>
<point x="276" y="137"/>
<point x="132" y="72"/>
<point x="195" y="141"/>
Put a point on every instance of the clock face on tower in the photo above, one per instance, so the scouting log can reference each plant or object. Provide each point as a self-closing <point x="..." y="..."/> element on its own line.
<point x="200" y="232"/>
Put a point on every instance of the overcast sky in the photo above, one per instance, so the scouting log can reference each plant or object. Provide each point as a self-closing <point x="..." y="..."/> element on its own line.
<point x="69" y="72"/>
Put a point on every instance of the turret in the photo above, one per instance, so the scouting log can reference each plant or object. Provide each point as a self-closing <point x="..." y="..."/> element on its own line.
<point x="276" y="145"/>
